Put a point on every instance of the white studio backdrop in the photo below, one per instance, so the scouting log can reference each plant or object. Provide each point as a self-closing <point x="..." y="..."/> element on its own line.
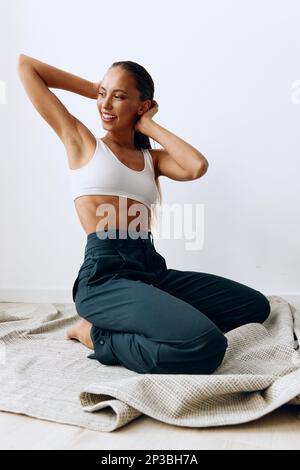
<point x="226" y="74"/>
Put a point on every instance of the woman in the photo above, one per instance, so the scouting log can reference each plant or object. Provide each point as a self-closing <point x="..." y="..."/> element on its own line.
<point x="135" y="311"/>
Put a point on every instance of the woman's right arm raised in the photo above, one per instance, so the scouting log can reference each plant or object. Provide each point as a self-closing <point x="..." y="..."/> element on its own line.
<point x="37" y="77"/>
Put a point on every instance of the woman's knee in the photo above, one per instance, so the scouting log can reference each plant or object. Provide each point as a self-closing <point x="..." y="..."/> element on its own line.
<point x="201" y="355"/>
<point x="217" y="349"/>
<point x="263" y="307"/>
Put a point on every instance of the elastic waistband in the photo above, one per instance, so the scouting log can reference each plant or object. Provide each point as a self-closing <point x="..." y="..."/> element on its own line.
<point x="117" y="237"/>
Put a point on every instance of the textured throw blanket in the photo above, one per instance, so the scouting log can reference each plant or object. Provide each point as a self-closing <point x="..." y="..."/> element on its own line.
<point x="47" y="377"/>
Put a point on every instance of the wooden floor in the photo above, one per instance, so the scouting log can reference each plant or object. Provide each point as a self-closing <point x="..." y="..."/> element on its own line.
<point x="277" y="430"/>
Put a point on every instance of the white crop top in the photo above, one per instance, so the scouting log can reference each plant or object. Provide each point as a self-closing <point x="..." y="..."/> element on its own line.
<point x="106" y="174"/>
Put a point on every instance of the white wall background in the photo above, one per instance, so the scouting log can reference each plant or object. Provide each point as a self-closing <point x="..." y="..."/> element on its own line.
<point x="224" y="72"/>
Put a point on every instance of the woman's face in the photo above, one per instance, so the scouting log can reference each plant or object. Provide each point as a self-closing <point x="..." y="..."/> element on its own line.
<point x="118" y="96"/>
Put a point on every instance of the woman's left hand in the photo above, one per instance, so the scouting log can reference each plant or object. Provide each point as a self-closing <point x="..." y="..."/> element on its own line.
<point x="146" y="117"/>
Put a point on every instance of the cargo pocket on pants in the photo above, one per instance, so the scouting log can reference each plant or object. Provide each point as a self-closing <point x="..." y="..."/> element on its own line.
<point x="106" y="265"/>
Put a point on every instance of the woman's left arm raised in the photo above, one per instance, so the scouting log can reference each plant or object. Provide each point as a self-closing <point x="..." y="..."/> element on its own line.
<point x="176" y="153"/>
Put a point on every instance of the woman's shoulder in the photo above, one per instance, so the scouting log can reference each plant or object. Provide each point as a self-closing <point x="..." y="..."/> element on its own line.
<point x="154" y="155"/>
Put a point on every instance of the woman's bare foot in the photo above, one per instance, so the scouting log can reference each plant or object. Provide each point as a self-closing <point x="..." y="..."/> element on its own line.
<point x="82" y="332"/>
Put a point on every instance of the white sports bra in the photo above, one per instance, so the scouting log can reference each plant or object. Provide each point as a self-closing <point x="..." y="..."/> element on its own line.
<point x="106" y="174"/>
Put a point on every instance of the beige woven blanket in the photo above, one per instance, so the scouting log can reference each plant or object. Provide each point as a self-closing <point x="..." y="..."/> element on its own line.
<point x="47" y="377"/>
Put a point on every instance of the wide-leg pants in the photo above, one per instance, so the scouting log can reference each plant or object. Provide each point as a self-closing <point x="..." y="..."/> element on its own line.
<point x="154" y="319"/>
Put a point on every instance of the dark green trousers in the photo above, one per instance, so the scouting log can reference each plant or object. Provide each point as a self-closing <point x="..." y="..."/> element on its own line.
<point x="154" y="319"/>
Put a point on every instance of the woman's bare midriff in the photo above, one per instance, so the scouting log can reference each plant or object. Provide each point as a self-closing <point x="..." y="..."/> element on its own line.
<point x="113" y="211"/>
